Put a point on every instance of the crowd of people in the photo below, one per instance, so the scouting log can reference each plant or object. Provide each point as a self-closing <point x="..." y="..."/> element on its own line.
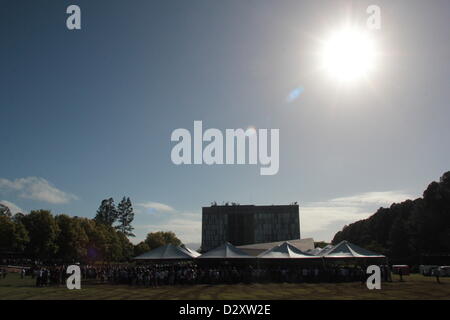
<point x="17" y="262"/>
<point x="190" y="273"/>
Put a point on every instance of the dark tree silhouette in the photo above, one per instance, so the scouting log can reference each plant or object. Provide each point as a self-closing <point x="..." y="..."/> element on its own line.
<point x="125" y="217"/>
<point x="409" y="229"/>
<point x="106" y="213"/>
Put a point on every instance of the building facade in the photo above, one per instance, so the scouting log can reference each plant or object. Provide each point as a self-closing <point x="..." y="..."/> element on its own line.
<point x="248" y="224"/>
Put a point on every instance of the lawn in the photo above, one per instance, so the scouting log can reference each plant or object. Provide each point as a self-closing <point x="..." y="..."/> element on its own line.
<point x="414" y="287"/>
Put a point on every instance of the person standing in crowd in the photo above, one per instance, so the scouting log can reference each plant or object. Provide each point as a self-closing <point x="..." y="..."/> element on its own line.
<point x="400" y="273"/>
<point x="39" y="277"/>
<point x="436" y="273"/>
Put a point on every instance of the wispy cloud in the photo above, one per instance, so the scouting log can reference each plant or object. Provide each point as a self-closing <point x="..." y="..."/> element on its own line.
<point x="373" y="198"/>
<point x="316" y="218"/>
<point x="36" y="188"/>
<point x="328" y="217"/>
<point x="156" y="207"/>
<point x="12" y="207"/>
<point x="187" y="227"/>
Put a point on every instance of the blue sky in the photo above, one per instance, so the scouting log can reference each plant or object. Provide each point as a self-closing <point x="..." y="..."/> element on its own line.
<point x="88" y="114"/>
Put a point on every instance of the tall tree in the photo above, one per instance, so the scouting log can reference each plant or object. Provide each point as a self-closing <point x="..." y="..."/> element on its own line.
<point x="106" y="213"/>
<point x="141" y="248"/>
<point x="125" y="216"/>
<point x="18" y="217"/>
<point x="72" y="240"/>
<point x="160" y="238"/>
<point x="43" y="231"/>
<point x="13" y="236"/>
<point x="398" y="239"/>
<point x="126" y="245"/>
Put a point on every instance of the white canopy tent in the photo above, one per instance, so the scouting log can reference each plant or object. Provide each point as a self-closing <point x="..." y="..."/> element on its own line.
<point x="225" y="251"/>
<point x="258" y="248"/>
<point x="324" y="250"/>
<point x="168" y="252"/>
<point x="193" y="252"/>
<point x="345" y="249"/>
<point x="285" y="251"/>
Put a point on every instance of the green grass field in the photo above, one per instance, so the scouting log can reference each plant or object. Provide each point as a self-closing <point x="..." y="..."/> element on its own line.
<point x="414" y="287"/>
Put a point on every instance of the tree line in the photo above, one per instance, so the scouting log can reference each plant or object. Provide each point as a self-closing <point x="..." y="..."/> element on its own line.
<point x="42" y="236"/>
<point x="409" y="230"/>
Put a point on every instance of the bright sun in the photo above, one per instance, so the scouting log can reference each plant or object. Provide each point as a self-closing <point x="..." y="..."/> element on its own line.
<point x="348" y="55"/>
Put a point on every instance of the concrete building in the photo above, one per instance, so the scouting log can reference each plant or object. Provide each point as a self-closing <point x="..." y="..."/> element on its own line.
<point x="249" y="224"/>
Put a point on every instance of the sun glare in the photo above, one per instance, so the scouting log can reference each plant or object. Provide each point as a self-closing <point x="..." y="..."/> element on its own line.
<point x="348" y="55"/>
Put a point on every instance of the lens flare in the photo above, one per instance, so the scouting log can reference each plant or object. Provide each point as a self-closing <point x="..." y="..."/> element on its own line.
<point x="294" y="94"/>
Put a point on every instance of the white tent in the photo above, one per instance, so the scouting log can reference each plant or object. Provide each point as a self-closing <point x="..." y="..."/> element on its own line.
<point x="285" y="251"/>
<point x="193" y="252"/>
<point x="346" y="249"/>
<point x="225" y="251"/>
<point x="168" y="252"/>
<point x="326" y="249"/>
<point x="258" y="248"/>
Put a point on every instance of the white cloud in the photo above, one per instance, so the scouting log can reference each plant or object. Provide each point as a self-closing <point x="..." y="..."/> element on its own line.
<point x="315" y="219"/>
<point x="36" y="188"/>
<point x="383" y="198"/>
<point x="12" y="207"/>
<point x="156" y="206"/>
<point x="328" y="217"/>
<point x="186" y="229"/>
<point x="186" y="225"/>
